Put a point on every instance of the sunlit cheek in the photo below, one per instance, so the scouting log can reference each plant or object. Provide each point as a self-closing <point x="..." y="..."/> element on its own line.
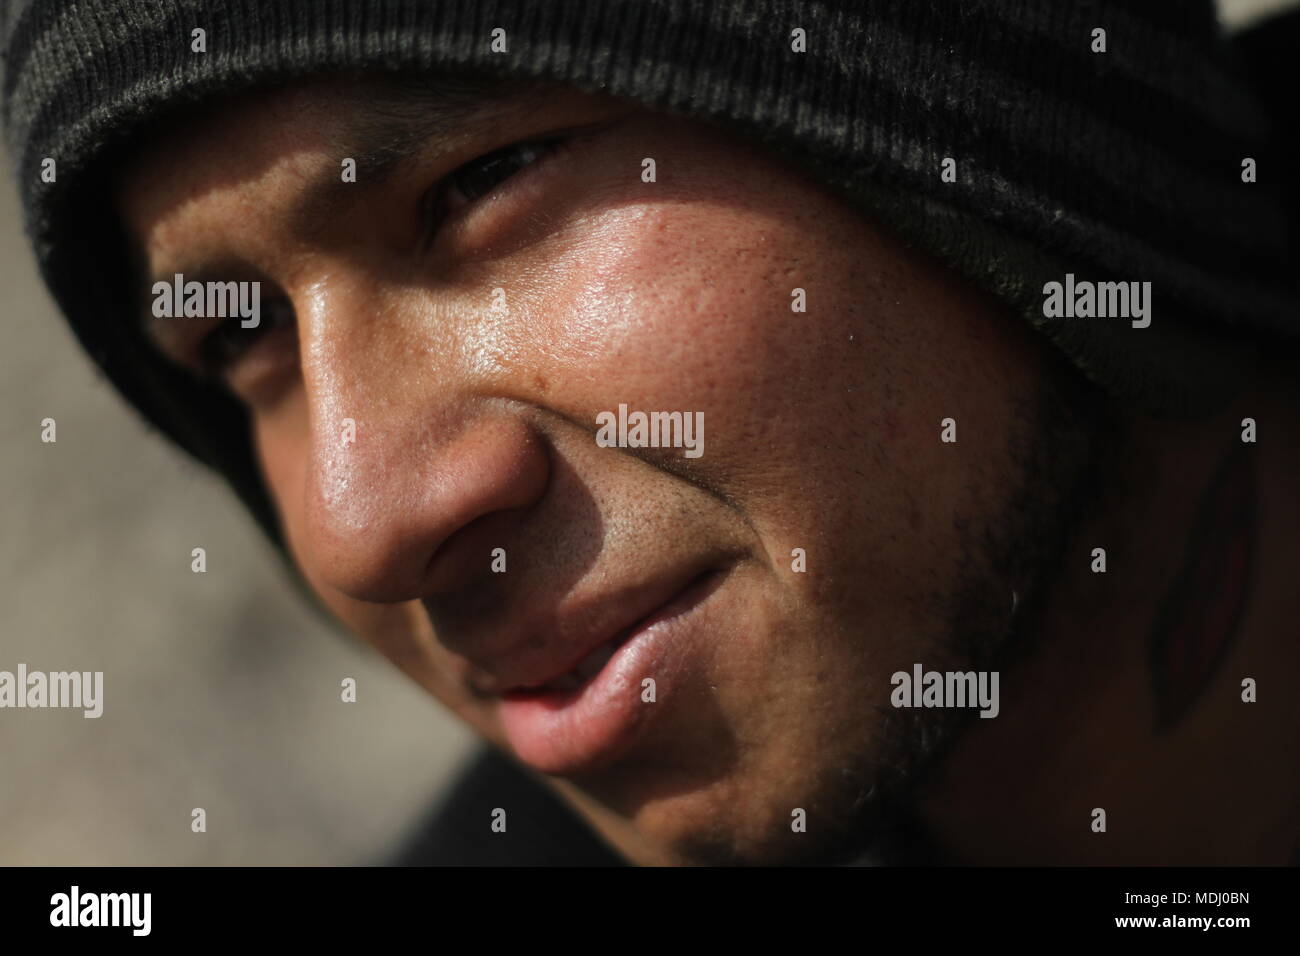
<point x="492" y="339"/>
<point x="588" y="303"/>
<point x="655" y="290"/>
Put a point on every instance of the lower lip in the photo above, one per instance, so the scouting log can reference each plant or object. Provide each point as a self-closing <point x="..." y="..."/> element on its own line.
<point x="564" y="732"/>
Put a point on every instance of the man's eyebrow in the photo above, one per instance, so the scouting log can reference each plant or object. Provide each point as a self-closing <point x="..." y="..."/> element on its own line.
<point x="395" y="119"/>
<point x="395" y="122"/>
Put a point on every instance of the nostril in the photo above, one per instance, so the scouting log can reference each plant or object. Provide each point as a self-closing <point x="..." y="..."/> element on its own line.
<point x="411" y="510"/>
<point x="476" y="552"/>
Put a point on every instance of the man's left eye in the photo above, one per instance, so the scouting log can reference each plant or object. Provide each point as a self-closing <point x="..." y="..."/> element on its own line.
<point x="481" y="176"/>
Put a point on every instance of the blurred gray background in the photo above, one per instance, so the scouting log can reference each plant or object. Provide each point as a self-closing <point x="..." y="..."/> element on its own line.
<point x="221" y="689"/>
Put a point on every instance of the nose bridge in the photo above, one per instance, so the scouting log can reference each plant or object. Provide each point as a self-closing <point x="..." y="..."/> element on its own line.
<point x="342" y="338"/>
<point x="404" y="453"/>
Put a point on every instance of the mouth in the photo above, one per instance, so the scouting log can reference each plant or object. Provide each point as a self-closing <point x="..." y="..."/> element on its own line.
<point x="595" y="660"/>
<point x="591" y="712"/>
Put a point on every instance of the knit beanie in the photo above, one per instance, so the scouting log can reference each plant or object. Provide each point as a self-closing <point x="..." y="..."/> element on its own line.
<point x="1018" y="142"/>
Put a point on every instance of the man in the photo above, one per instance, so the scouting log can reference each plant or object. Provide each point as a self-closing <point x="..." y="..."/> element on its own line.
<point x="740" y="418"/>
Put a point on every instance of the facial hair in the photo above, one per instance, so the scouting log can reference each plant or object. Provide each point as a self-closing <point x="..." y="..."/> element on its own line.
<point x="1060" y="449"/>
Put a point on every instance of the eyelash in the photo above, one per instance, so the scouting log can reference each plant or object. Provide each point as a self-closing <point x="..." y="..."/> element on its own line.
<point x="229" y="340"/>
<point x="437" y="205"/>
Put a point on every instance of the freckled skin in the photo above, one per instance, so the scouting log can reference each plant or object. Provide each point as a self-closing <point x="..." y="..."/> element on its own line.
<point x="475" y="431"/>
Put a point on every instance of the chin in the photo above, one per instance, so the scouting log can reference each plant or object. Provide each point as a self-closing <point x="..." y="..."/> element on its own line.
<point x="795" y="814"/>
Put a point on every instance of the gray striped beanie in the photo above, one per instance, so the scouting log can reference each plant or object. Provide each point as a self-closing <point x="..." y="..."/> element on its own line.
<point x="1103" y="140"/>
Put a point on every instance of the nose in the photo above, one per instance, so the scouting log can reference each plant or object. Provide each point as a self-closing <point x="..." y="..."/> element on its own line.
<point x="409" y="448"/>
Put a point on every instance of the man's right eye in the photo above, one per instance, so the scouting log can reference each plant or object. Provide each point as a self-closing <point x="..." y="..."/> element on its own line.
<point x="221" y="348"/>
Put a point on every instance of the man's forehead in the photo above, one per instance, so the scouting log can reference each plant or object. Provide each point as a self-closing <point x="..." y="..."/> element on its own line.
<point x="192" y="182"/>
<point x="374" y="119"/>
<point x="221" y="149"/>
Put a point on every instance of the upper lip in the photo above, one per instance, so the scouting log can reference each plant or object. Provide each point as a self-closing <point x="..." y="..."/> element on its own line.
<point x="538" y="655"/>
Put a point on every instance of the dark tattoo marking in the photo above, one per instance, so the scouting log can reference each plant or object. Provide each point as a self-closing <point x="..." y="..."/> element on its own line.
<point x="1199" y="617"/>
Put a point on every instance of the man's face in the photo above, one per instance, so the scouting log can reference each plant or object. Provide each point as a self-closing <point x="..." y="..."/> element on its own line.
<point x="757" y="597"/>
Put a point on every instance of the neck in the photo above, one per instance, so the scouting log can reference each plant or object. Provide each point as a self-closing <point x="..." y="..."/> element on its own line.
<point x="1133" y="700"/>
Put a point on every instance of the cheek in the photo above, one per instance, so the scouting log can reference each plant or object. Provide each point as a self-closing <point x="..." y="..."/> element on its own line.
<point x="691" y="307"/>
<point x="824" y="424"/>
<point x="688" y="307"/>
